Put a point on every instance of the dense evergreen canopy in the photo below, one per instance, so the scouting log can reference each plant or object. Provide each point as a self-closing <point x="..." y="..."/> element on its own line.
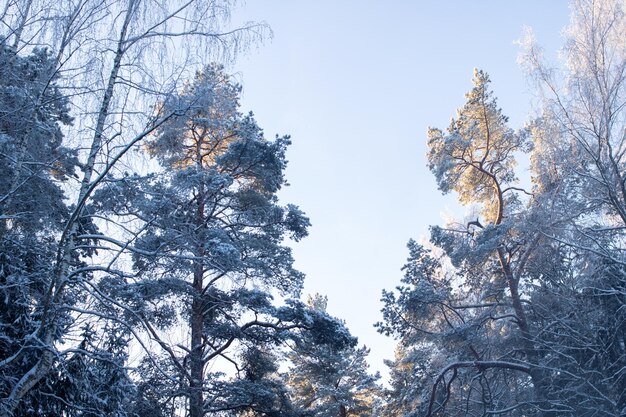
<point x="145" y="268"/>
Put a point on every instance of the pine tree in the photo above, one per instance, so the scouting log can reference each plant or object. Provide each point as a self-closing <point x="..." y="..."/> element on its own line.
<point x="518" y="310"/>
<point x="410" y="372"/>
<point x="105" y="58"/>
<point x="329" y="379"/>
<point x="210" y="244"/>
<point x="466" y="305"/>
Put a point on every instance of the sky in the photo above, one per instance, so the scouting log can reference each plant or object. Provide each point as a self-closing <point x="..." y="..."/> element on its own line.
<point x="357" y="83"/>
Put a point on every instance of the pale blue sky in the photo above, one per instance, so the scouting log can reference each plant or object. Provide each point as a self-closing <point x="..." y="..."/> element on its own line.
<point x="356" y="84"/>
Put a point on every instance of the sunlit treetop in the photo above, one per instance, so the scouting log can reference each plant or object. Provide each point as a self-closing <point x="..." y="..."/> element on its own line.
<point x="209" y="124"/>
<point x="475" y="157"/>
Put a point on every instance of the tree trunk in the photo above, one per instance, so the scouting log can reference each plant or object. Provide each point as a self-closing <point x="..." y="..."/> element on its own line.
<point x="537" y="375"/>
<point x="196" y="407"/>
<point x="195" y="359"/>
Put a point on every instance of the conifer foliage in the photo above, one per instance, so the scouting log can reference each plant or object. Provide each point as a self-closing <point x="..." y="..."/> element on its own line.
<point x="514" y="310"/>
<point x="210" y="241"/>
<point x="139" y="291"/>
<point x="145" y="262"/>
<point x="33" y="164"/>
<point x="331" y="379"/>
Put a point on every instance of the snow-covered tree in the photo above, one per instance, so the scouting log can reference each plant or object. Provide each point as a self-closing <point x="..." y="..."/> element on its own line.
<point x="579" y="173"/>
<point x="476" y="158"/>
<point x="466" y="306"/>
<point x="330" y="379"/>
<point x="518" y="310"/>
<point x="410" y="372"/>
<point x="33" y="164"/>
<point x="92" y="381"/>
<point x="34" y="160"/>
<point x="103" y="64"/>
<point x="208" y="244"/>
